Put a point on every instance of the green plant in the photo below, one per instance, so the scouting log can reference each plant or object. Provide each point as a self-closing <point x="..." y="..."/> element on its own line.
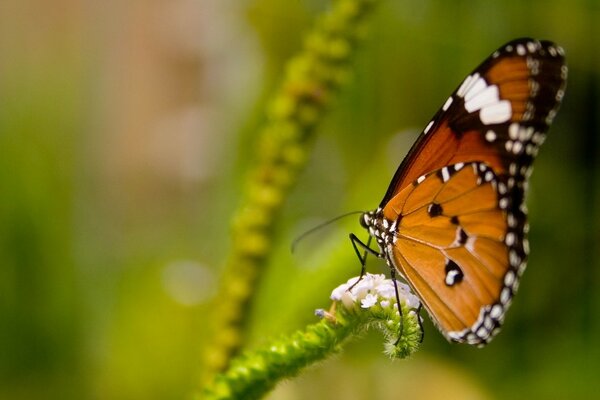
<point x="312" y="79"/>
<point x="357" y="306"/>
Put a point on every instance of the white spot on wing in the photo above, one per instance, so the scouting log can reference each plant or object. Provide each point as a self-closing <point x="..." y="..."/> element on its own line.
<point x="526" y="133"/>
<point x="470" y="245"/>
<point x="518" y="147"/>
<point x="483" y="98"/>
<point x="482" y="332"/>
<point x="451" y="277"/>
<point x="428" y="127"/>
<point x="466" y="84"/>
<point x="513" y="131"/>
<point x="445" y="174"/>
<point x="505" y="295"/>
<point x="502" y="189"/>
<point x="514" y="258"/>
<point x="510" y="239"/>
<point x="447" y="104"/>
<point x="496" y="311"/>
<point x="538" y="138"/>
<point x="496" y="113"/>
<point x="529" y="149"/>
<point x="490" y="136"/>
<point x="509" y="278"/>
<point x="478" y="95"/>
<point x="475" y="88"/>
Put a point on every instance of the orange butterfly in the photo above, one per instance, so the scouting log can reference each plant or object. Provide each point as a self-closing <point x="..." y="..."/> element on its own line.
<point x="453" y="222"/>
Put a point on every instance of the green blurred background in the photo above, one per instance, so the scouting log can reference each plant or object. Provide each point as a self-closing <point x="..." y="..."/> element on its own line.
<point x="126" y="129"/>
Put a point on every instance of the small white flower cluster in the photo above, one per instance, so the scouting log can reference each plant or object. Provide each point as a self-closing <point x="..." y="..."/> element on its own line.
<point x="373" y="289"/>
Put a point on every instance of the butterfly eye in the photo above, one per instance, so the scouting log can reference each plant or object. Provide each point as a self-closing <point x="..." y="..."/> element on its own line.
<point x="365" y="220"/>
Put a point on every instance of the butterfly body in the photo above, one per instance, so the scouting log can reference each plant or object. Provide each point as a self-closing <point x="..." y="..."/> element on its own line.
<point x="453" y="222"/>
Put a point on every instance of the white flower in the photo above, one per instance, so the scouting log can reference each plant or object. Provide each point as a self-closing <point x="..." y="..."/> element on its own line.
<point x="369" y="301"/>
<point x="338" y="292"/>
<point x="370" y="290"/>
<point x="387" y="290"/>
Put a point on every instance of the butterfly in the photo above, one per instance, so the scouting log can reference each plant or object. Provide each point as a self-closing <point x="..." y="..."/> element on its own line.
<point x="453" y="222"/>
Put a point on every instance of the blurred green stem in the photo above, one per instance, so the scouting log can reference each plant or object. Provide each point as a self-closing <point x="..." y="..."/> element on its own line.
<point x="312" y="78"/>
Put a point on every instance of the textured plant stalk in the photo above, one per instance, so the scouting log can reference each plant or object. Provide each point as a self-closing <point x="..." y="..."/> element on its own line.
<point x="370" y="303"/>
<point x="311" y="81"/>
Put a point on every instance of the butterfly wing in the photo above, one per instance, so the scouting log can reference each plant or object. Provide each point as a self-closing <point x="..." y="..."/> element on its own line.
<point x="499" y="114"/>
<point x="453" y="247"/>
<point x="457" y="200"/>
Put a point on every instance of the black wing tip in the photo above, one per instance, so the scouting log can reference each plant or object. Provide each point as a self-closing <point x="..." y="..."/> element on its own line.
<point x="527" y="39"/>
<point x="528" y="45"/>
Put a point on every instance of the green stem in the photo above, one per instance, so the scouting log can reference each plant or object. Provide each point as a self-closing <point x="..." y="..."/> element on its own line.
<point x="255" y="373"/>
<point x="312" y="79"/>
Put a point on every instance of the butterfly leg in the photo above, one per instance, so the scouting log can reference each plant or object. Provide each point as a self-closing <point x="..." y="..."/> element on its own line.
<point x="356" y="242"/>
<point x="420" y="323"/>
<point x="393" y="276"/>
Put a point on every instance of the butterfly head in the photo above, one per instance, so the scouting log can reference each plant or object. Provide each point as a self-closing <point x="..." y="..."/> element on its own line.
<point x="379" y="227"/>
<point x="366" y="219"/>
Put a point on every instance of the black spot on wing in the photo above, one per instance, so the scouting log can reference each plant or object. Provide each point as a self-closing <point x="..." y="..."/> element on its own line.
<point x="435" y="210"/>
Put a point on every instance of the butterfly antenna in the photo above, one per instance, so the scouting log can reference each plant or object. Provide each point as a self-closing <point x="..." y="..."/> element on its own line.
<point x="320" y="226"/>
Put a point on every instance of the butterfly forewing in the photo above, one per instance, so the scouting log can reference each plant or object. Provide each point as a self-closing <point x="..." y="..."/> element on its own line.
<point x="499" y="114"/>
<point x="453" y="221"/>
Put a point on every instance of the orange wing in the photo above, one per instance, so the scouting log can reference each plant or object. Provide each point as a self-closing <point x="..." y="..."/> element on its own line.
<point x="453" y="245"/>
<point x="498" y="115"/>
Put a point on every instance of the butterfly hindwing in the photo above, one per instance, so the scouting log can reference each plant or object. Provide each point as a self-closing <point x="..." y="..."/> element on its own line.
<point x="452" y="247"/>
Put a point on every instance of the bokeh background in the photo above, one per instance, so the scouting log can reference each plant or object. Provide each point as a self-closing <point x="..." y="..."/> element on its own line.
<point x="126" y="129"/>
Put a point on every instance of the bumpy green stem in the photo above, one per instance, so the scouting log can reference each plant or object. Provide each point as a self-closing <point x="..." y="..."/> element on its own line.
<point x="312" y="78"/>
<point x="255" y="373"/>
